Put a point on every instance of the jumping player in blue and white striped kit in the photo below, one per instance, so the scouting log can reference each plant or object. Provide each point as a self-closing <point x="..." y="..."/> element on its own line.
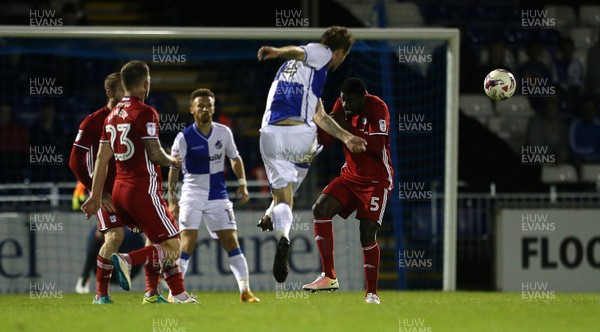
<point x="288" y="132"/>
<point x="203" y="147"/>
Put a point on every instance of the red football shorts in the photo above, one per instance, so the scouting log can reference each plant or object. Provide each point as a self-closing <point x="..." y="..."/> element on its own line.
<point x="108" y="220"/>
<point x="369" y="201"/>
<point x="147" y="211"/>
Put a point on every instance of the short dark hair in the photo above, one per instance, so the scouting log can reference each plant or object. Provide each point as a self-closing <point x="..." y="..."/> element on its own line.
<point x="337" y="37"/>
<point x="111" y="81"/>
<point x="354" y="86"/>
<point x="202" y="92"/>
<point x="133" y="74"/>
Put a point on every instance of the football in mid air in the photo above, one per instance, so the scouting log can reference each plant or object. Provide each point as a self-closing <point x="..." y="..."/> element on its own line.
<point x="499" y="84"/>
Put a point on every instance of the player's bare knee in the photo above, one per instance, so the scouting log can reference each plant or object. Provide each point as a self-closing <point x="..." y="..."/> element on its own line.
<point x="171" y="248"/>
<point x="113" y="238"/>
<point x="107" y="250"/>
<point x="188" y="241"/>
<point x="187" y="246"/>
<point x="112" y="246"/>
<point x="368" y="231"/>
<point x="316" y="209"/>
<point x="231" y="243"/>
<point x="320" y="210"/>
<point x="228" y="239"/>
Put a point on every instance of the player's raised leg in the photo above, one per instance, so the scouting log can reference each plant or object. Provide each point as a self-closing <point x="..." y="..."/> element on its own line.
<point x="148" y="255"/>
<point x="324" y="209"/>
<point x="282" y="223"/>
<point x="159" y="257"/>
<point x="266" y="222"/>
<point x="237" y="263"/>
<point x="278" y="154"/>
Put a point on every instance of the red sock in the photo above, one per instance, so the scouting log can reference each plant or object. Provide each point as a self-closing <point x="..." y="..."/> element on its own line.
<point x="104" y="270"/>
<point x="152" y="273"/>
<point x="174" y="278"/>
<point x="324" y="240"/>
<point x="147" y="255"/>
<point x="371" y="265"/>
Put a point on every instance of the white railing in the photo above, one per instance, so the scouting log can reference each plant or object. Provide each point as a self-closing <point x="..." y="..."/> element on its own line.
<point x="56" y="193"/>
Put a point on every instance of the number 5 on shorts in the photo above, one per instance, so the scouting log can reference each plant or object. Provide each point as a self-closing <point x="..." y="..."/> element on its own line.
<point x="374" y="204"/>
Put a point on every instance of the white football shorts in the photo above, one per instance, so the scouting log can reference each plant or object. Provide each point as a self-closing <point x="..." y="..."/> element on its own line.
<point x="217" y="215"/>
<point x="282" y="148"/>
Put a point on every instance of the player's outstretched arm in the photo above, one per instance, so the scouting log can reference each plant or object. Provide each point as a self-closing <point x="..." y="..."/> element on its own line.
<point x="237" y="165"/>
<point x="172" y="198"/>
<point x="157" y="154"/>
<point x="286" y="53"/>
<point x="354" y="143"/>
<point x="95" y="201"/>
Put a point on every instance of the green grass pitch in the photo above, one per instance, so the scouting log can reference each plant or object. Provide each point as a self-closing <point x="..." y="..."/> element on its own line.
<point x="297" y="311"/>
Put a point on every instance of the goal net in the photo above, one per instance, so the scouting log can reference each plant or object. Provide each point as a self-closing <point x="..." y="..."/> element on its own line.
<point x="53" y="77"/>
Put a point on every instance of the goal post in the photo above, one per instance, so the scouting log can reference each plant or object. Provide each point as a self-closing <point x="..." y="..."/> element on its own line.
<point x="451" y="38"/>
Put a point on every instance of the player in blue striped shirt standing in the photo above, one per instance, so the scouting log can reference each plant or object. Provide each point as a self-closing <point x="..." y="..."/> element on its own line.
<point x="203" y="147"/>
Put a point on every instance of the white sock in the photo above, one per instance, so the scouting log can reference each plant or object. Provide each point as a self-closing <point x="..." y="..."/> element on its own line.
<point x="239" y="267"/>
<point x="269" y="211"/>
<point x="282" y="220"/>
<point x="184" y="261"/>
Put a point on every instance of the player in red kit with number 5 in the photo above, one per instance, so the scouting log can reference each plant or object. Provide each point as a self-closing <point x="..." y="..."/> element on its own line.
<point x="364" y="185"/>
<point x="131" y="134"/>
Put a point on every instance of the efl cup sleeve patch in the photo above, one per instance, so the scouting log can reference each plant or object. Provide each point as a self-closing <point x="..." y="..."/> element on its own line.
<point x="79" y="134"/>
<point x="382" y="126"/>
<point x="151" y="128"/>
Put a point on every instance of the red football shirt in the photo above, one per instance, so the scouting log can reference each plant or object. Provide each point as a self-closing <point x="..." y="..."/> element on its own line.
<point x="128" y="124"/>
<point x="373" y="167"/>
<point x="88" y="138"/>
